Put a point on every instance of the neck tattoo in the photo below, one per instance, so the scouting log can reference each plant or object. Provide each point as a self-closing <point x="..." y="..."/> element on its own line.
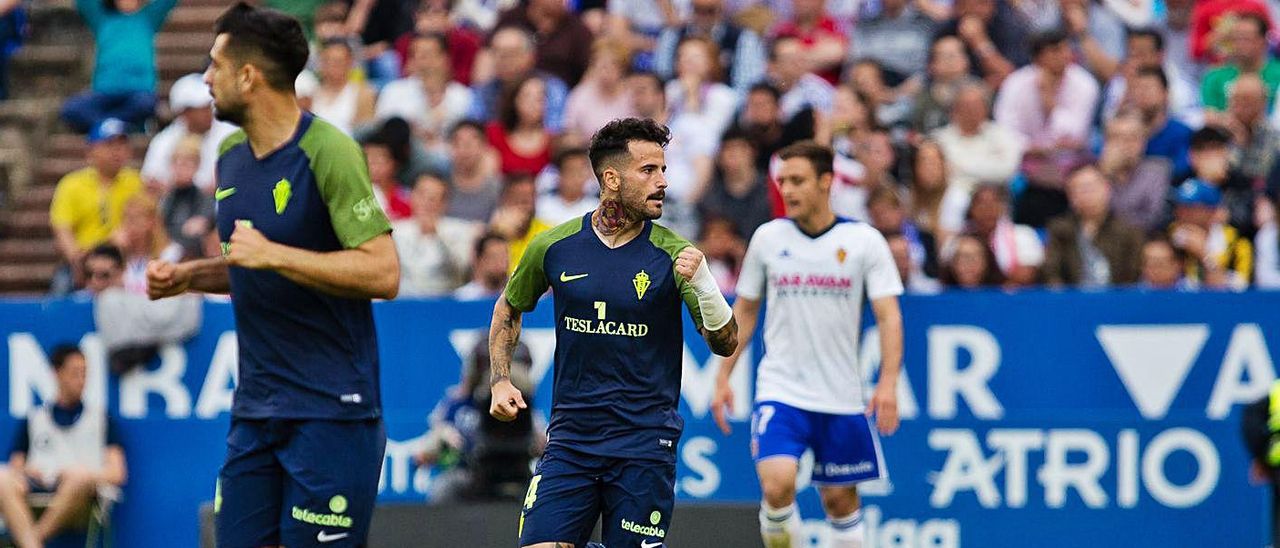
<point x="611" y="218"/>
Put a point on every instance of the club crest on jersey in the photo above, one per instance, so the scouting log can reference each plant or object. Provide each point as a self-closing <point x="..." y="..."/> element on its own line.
<point x="841" y="255"/>
<point x="281" y="193"/>
<point x="641" y="281"/>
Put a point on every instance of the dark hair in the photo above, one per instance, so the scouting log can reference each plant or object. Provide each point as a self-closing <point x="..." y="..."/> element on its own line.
<point x="820" y="156"/>
<point x="469" y="123"/>
<point x="1259" y="21"/>
<point x="485" y="239"/>
<point x="109" y="251"/>
<point x="396" y="135"/>
<point x="651" y="76"/>
<point x="440" y="40"/>
<point x="60" y="353"/>
<point x="1147" y="32"/>
<point x="1154" y="72"/>
<point x="565" y="153"/>
<point x="269" y="39"/>
<point x="614" y="140"/>
<point x="765" y="87"/>
<point x="1046" y="40"/>
<point x="508" y="113"/>
<point x="1209" y="136"/>
<point x="993" y="276"/>
<point x="736" y="133"/>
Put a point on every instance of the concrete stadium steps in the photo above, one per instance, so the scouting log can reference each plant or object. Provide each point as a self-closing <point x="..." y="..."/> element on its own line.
<point x="31" y="224"/>
<point x="34" y="250"/>
<point x="53" y="65"/>
<point x="72" y="146"/>
<point x="26" y="280"/>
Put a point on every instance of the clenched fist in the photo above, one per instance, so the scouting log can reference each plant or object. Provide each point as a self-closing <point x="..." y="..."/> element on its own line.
<point x="687" y="262"/>
<point x="165" y="279"/>
<point x="249" y="248"/>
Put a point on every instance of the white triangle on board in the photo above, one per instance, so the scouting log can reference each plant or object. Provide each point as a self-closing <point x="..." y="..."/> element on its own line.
<point x="1153" y="360"/>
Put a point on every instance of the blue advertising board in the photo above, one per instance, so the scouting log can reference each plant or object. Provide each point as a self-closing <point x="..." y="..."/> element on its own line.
<point x="1048" y="419"/>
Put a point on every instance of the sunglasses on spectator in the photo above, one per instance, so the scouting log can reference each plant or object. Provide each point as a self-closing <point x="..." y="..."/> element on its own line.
<point x="706" y="10"/>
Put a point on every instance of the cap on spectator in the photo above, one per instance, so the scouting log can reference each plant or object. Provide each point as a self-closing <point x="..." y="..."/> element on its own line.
<point x="306" y="84"/>
<point x="108" y="129"/>
<point x="1198" y="193"/>
<point x="190" y="91"/>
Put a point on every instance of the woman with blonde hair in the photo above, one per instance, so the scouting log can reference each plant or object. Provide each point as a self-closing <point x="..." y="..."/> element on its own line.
<point x="141" y="238"/>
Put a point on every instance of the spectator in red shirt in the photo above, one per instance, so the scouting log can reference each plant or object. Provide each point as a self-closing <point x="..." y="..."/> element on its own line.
<point x="432" y="17"/>
<point x="521" y="140"/>
<point x="826" y="42"/>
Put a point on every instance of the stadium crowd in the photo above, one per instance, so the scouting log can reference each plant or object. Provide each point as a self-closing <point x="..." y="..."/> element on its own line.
<point x="994" y="143"/>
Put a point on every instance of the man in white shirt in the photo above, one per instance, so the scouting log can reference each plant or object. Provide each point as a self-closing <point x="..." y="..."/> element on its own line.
<point x="570" y="199"/>
<point x="814" y="269"/>
<point x="428" y="97"/>
<point x="192" y="104"/>
<point x="978" y="151"/>
<point x="435" y="250"/>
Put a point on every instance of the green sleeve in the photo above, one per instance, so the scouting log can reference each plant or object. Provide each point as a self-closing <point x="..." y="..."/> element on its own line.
<point x="343" y="178"/>
<point x="529" y="281"/>
<point x="230" y="141"/>
<point x="672" y="244"/>
<point x="1212" y="91"/>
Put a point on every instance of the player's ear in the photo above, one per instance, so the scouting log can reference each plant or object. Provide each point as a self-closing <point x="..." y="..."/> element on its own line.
<point x="611" y="179"/>
<point x="824" y="181"/>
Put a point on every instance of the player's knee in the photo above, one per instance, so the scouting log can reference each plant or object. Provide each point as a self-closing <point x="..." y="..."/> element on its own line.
<point x="8" y="481"/>
<point x="777" y="492"/>
<point x="839" y="501"/>
<point x="77" y="479"/>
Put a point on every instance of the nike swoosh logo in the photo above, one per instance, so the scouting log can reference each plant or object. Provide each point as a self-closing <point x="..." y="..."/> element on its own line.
<point x="222" y="193"/>
<point x="326" y="537"/>
<point x="646" y="544"/>
<point x="564" y="277"/>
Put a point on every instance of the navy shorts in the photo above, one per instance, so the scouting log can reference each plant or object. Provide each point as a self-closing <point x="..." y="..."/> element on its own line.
<point x="298" y="483"/>
<point x="571" y="489"/>
<point x="846" y="449"/>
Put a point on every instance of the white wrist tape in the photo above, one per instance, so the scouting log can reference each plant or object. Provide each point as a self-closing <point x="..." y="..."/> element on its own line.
<point x="715" y="310"/>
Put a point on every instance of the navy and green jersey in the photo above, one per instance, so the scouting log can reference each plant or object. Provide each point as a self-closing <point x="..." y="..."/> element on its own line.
<point x="303" y="353"/>
<point x="619" y="340"/>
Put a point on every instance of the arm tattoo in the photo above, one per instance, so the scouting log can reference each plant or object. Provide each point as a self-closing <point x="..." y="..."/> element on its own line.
<point x="504" y="335"/>
<point x="723" y="341"/>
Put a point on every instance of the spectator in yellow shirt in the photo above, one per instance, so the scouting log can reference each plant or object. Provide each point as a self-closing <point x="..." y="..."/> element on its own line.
<point x="516" y="217"/>
<point x="88" y="203"/>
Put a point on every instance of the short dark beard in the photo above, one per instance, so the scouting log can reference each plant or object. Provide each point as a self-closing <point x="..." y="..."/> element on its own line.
<point x="234" y="116"/>
<point x="612" y="217"/>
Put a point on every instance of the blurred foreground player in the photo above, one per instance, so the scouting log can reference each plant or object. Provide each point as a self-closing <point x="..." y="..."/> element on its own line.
<point x="815" y="269"/>
<point x="619" y="280"/>
<point x="305" y="248"/>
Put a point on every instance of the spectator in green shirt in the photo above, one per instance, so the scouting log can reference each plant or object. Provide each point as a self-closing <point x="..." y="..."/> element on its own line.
<point x="1248" y="56"/>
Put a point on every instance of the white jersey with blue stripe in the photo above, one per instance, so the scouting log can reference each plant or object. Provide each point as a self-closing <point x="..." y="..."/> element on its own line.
<point x="814" y="287"/>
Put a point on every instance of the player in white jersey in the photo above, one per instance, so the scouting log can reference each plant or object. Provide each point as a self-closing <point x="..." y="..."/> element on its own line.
<point x="815" y="270"/>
